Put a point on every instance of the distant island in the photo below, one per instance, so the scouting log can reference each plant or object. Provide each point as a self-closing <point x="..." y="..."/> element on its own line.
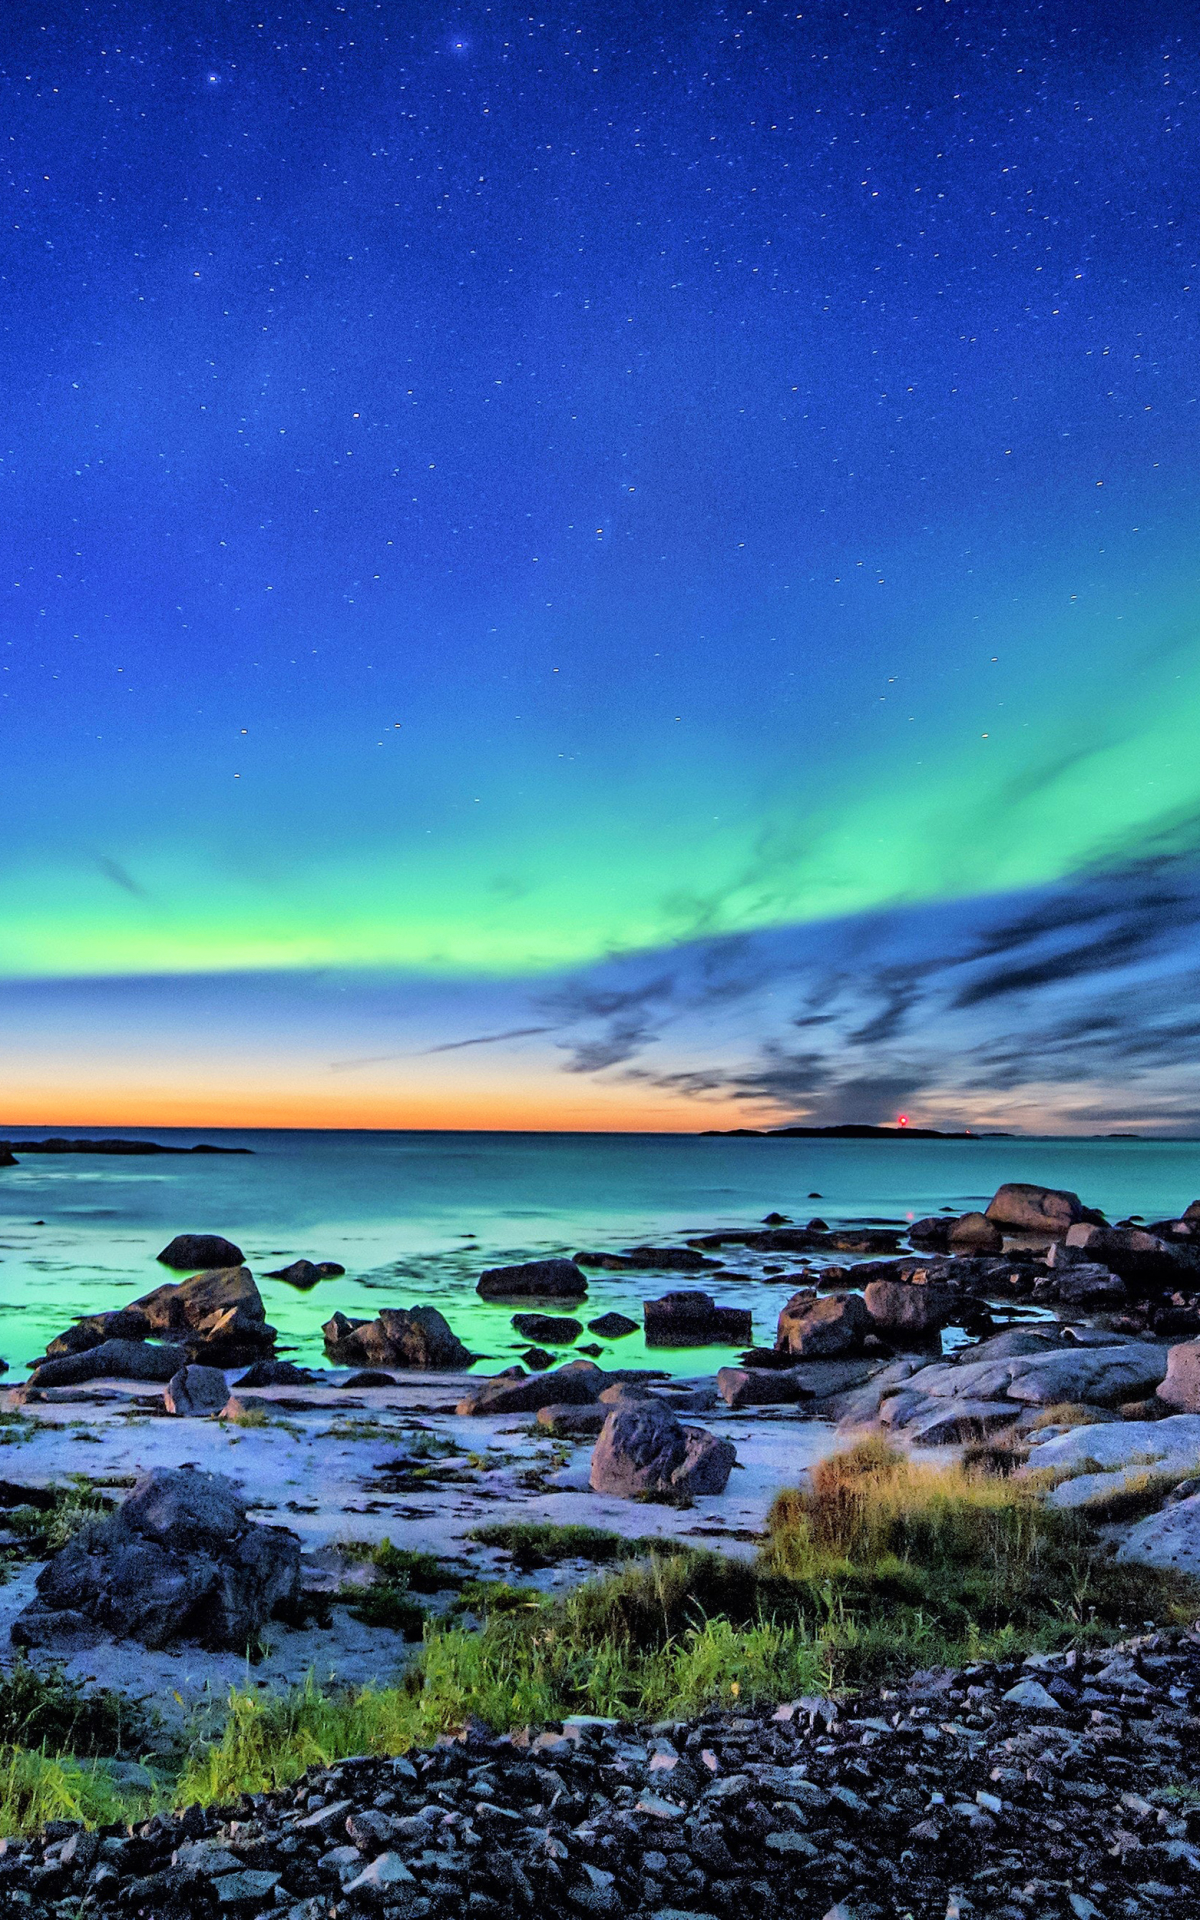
<point x="849" y="1132"/>
<point x="8" y="1148"/>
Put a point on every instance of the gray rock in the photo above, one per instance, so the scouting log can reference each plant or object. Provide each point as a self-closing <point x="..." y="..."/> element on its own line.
<point x="126" y="1323"/>
<point x="1030" y="1209"/>
<point x="1084" y="1286"/>
<point x="249" y="1888"/>
<point x="386" y="1870"/>
<point x="816" y="1328"/>
<point x="1142" y="1259"/>
<point x="974" y="1233"/>
<point x="909" y="1314"/>
<point x="179" y="1560"/>
<point x="305" y="1274"/>
<point x="1126" y="1448"/>
<point x="1031" y="1695"/>
<point x="690" y="1318"/>
<point x="952" y="1422"/>
<point x="188" y="1252"/>
<point x="570" y="1422"/>
<point x="280" y="1373"/>
<point x="534" y="1280"/>
<point x="758" y="1386"/>
<point x="196" y="1390"/>
<point x="417" y="1338"/>
<point x="577" y="1384"/>
<point x="645" y="1449"/>
<point x="111" y="1360"/>
<point x="1167" y="1539"/>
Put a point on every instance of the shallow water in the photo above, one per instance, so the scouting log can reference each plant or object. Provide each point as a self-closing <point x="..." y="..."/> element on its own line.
<point x="415" y="1216"/>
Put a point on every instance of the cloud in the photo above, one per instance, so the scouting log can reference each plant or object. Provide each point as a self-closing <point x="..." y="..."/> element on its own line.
<point x="120" y="876"/>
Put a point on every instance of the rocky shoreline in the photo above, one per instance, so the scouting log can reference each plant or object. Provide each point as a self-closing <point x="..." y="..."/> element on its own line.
<point x="1068" y="1786"/>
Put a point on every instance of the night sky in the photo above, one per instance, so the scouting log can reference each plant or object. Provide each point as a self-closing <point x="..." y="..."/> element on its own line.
<point x="623" y="566"/>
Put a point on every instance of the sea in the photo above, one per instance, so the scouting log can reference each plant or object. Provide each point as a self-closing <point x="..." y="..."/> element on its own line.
<point x="414" y="1217"/>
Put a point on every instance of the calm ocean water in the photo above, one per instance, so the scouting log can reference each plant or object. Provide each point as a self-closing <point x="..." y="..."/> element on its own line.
<point x="414" y="1216"/>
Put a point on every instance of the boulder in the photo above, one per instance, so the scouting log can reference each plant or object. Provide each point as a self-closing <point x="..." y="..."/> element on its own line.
<point x="537" y="1359"/>
<point x="558" y="1328"/>
<point x="569" y="1423"/>
<point x="279" y="1373"/>
<point x="949" y="1423"/>
<point x="578" y="1384"/>
<point x="1168" y="1539"/>
<point x="1141" y="1259"/>
<point x="809" y="1381"/>
<point x="612" y="1326"/>
<point x="369" y="1377"/>
<point x="126" y="1323"/>
<point x="1086" y="1287"/>
<point x="694" y="1319"/>
<point x="645" y="1450"/>
<point x="112" y="1360"/>
<point x="534" y="1280"/>
<point x="196" y="1390"/>
<point x="912" y="1314"/>
<point x="1021" y="1208"/>
<point x="414" y="1337"/>
<point x="860" y="1406"/>
<point x="7" y="1157"/>
<point x="932" y="1233"/>
<point x="975" y="1233"/>
<point x="305" y="1274"/>
<point x="1181" y="1385"/>
<point x="817" y="1328"/>
<point x="179" y="1561"/>
<point x="190" y="1251"/>
<point x="218" y="1314"/>
<point x="1140" y="1446"/>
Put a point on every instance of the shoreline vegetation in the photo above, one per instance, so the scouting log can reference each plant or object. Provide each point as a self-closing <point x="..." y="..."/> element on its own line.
<point x="966" y="1529"/>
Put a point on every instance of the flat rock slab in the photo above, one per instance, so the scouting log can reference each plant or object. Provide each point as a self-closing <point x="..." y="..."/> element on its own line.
<point x="1167" y="1539"/>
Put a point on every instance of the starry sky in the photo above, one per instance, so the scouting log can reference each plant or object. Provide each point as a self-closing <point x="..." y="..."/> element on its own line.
<point x="620" y="566"/>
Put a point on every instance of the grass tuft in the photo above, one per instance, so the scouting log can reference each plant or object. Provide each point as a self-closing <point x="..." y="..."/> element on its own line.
<point x="536" y="1543"/>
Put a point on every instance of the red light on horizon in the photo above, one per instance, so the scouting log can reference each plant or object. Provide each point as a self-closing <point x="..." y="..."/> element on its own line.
<point x="901" y="1119"/>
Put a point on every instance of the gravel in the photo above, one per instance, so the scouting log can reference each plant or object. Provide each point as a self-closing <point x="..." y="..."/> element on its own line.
<point x="1068" y="1786"/>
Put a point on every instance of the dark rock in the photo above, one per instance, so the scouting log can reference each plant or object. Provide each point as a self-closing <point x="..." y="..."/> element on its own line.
<point x="201" y="1391"/>
<point x="195" y="1250"/>
<point x="305" y="1274"/>
<point x="695" y="1320"/>
<point x="815" y="1328"/>
<point x="931" y="1233"/>
<point x="126" y="1323"/>
<point x="612" y="1326"/>
<point x="974" y="1233"/>
<point x="1085" y="1286"/>
<point x="1141" y="1259"/>
<point x="534" y="1280"/>
<point x="369" y="1377"/>
<point x="579" y="1383"/>
<point x="644" y="1449"/>
<point x="279" y="1373"/>
<point x="809" y="1381"/>
<point x="179" y="1561"/>
<point x="910" y="1314"/>
<point x="558" y="1328"/>
<point x="537" y="1359"/>
<point x="776" y="1220"/>
<point x="568" y="1422"/>
<point x="112" y="1360"/>
<point x="218" y="1314"/>
<point x="7" y="1157"/>
<point x="411" y="1337"/>
<point x="1021" y="1208"/>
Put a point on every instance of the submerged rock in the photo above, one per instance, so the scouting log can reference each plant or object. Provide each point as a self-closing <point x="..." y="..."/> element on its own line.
<point x="194" y="1250"/>
<point x="305" y="1274"/>
<point x="558" y="1328"/>
<point x="179" y="1561"/>
<point x="693" y="1319"/>
<point x="412" y="1337"/>
<point x="644" y="1449"/>
<point x="534" y="1280"/>
<point x="613" y="1326"/>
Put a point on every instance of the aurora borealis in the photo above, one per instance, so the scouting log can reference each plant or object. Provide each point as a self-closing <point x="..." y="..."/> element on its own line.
<point x="627" y="566"/>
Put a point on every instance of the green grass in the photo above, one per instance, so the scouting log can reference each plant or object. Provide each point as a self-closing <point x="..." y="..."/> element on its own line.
<point x="403" y="1572"/>
<point x="535" y="1543"/>
<point x="880" y="1565"/>
<point x="36" y="1787"/>
<point x="43" y="1530"/>
<point x="46" y="1710"/>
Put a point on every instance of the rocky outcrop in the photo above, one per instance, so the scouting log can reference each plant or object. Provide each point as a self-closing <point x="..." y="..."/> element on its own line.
<point x="188" y="1252"/>
<point x="419" y="1338"/>
<point x="810" y="1382"/>
<point x="534" y="1280"/>
<point x="974" y="1233"/>
<point x="280" y="1373"/>
<point x="814" y="1328"/>
<point x="112" y="1360"/>
<point x="125" y="1323"/>
<point x="1169" y="1539"/>
<point x="643" y="1259"/>
<point x="580" y="1383"/>
<point x="1010" y="1374"/>
<point x="179" y="1561"/>
<point x="305" y="1274"/>
<point x="1021" y="1208"/>
<point x="644" y="1449"/>
<point x="1143" y="1260"/>
<point x="556" y="1328"/>
<point x="201" y="1391"/>
<point x="218" y="1315"/>
<point x="909" y="1315"/>
<point x="1082" y="1285"/>
<point x="693" y="1319"/>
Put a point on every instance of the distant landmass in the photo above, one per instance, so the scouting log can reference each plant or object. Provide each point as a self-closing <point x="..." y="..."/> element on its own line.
<point x="849" y="1132"/>
<point x="8" y="1148"/>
